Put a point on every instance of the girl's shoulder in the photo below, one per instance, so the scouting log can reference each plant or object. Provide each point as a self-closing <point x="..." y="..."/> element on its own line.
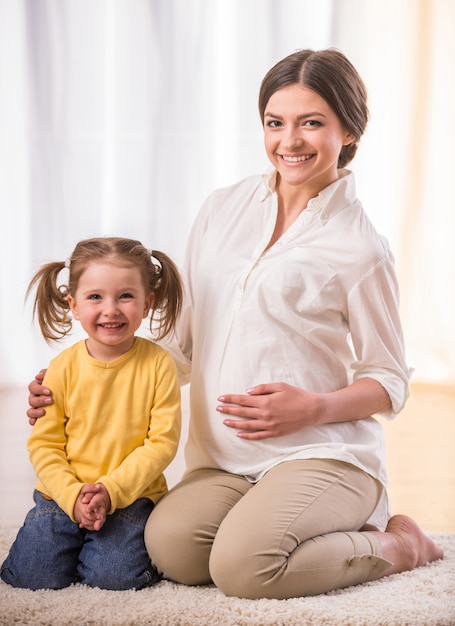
<point x="147" y="348"/>
<point x="69" y="354"/>
<point x="65" y="365"/>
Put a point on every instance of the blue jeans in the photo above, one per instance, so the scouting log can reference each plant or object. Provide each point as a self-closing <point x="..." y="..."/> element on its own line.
<point x="52" y="552"/>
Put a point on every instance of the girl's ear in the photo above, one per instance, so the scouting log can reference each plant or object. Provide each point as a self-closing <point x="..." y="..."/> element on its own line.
<point x="148" y="305"/>
<point x="73" y="307"/>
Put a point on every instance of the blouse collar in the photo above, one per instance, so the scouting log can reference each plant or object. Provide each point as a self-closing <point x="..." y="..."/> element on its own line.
<point x="329" y="201"/>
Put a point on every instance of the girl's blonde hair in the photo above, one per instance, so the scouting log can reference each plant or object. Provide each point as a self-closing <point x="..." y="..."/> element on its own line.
<point x="160" y="277"/>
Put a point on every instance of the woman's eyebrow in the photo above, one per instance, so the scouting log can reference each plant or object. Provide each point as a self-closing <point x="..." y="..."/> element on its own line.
<point x="299" y="117"/>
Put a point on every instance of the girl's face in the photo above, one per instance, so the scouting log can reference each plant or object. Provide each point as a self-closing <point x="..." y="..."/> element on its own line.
<point x="303" y="138"/>
<point x="110" y="302"/>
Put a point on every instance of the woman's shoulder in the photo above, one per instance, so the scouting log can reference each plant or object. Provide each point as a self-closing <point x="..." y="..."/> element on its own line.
<point x="244" y="186"/>
<point x="231" y="199"/>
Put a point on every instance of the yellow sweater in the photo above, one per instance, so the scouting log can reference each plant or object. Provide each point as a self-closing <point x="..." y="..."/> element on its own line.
<point x="117" y="423"/>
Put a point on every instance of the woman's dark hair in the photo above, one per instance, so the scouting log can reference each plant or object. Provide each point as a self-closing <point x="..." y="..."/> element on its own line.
<point x="333" y="77"/>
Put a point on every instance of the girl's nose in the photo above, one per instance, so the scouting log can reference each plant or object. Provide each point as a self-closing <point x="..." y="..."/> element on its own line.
<point x="110" y="308"/>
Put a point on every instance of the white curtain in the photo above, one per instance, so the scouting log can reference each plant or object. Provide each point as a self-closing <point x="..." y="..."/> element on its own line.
<point x="120" y="116"/>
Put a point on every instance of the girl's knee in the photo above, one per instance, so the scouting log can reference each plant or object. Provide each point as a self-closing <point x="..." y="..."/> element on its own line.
<point x="115" y="580"/>
<point x="36" y="559"/>
<point x="36" y="578"/>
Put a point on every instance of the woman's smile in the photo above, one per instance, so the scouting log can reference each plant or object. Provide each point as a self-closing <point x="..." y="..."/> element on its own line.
<point x="296" y="159"/>
<point x="303" y="138"/>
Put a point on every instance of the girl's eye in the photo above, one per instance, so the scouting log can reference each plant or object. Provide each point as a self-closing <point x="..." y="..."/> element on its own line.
<point x="126" y="296"/>
<point x="94" y="296"/>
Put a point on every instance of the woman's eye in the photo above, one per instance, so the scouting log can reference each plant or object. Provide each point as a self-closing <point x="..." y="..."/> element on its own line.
<point x="312" y="123"/>
<point x="274" y="124"/>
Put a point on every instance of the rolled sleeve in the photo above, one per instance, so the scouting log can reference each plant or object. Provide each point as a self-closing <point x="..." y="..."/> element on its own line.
<point x="377" y="334"/>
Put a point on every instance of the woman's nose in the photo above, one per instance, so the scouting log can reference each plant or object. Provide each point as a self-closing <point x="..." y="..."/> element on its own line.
<point x="292" y="138"/>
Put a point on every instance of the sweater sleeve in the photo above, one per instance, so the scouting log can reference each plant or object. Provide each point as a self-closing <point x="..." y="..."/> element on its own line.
<point x="146" y="463"/>
<point x="47" y="448"/>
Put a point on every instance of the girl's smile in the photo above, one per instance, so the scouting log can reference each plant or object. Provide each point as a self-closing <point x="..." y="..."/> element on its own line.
<point x="110" y="302"/>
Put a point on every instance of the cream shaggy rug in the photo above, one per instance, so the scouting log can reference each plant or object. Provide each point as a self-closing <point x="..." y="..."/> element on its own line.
<point x="424" y="597"/>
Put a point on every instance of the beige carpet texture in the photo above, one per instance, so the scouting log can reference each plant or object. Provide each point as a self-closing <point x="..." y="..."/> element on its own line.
<point x="424" y="597"/>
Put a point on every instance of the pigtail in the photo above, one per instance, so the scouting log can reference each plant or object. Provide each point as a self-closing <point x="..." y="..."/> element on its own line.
<point x="50" y="306"/>
<point x="168" y="292"/>
<point x="159" y="274"/>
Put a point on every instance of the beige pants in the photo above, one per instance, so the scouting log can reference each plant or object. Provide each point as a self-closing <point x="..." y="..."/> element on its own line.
<point x="294" y="533"/>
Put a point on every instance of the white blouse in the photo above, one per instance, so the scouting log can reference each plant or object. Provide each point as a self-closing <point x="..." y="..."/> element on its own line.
<point x="317" y="310"/>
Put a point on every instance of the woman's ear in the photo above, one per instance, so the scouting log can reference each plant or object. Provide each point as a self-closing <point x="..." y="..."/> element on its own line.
<point x="348" y="139"/>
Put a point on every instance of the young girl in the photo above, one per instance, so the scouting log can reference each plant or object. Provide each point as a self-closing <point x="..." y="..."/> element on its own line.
<point x="114" y="425"/>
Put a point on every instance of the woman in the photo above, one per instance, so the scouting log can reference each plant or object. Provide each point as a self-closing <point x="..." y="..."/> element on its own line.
<point x="291" y="339"/>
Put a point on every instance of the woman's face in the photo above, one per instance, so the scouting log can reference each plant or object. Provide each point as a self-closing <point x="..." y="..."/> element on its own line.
<point x="303" y="138"/>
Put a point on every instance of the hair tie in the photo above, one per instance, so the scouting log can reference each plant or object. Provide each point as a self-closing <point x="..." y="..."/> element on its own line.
<point x="156" y="264"/>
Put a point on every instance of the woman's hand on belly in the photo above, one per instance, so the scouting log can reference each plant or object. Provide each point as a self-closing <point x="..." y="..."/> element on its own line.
<point x="270" y="410"/>
<point x="279" y="409"/>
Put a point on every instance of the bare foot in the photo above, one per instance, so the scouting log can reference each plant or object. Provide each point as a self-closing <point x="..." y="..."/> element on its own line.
<point x="368" y="527"/>
<point x="406" y="546"/>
